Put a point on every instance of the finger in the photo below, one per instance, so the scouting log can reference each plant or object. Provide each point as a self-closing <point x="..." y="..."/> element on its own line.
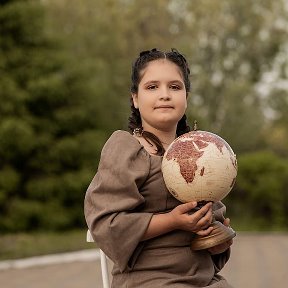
<point x="186" y="207"/>
<point x="206" y="220"/>
<point x="203" y="225"/>
<point x="205" y="232"/>
<point x="227" y="222"/>
<point x="202" y="212"/>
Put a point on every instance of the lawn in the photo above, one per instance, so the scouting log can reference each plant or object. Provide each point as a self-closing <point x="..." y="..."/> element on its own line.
<point x="14" y="246"/>
<point x="21" y="245"/>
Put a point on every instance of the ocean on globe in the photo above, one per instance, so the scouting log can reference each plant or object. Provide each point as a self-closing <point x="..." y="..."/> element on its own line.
<point x="199" y="166"/>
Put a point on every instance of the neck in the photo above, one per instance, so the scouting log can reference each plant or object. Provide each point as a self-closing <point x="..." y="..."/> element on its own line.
<point x="166" y="137"/>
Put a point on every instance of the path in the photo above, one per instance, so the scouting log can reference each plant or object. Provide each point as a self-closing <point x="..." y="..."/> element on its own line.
<point x="257" y="261"/>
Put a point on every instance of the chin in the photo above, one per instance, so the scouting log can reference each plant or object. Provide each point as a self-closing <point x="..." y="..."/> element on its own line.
<point x="167" y="125"/>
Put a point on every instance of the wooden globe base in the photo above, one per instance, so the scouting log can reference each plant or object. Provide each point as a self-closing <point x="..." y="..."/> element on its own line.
<point x="220" y="234"/>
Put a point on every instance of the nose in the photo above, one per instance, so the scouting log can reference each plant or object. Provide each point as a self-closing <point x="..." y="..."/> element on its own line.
<point x="165" y="94"/>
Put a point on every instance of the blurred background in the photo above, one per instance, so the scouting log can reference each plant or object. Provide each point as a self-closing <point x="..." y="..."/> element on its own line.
<point x="64" y="88"/>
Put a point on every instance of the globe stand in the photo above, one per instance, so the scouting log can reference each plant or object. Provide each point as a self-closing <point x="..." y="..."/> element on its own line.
<point x="220" y="234"/>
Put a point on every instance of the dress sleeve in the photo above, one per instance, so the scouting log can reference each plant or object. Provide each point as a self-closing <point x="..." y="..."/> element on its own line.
<point x="219" y="210"/>
<point x="220" y="260"/>
<point x="113" y="203"/>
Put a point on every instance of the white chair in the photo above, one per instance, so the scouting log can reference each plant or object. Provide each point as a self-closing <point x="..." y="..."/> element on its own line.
<point x="104" y="263"/>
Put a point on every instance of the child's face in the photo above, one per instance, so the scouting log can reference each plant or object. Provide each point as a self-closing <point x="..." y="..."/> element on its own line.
<point x="161" y="97"/>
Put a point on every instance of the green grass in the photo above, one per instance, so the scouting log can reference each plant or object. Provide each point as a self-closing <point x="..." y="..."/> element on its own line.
<point x="21" y="245"/>
<point x="255" y="225"/>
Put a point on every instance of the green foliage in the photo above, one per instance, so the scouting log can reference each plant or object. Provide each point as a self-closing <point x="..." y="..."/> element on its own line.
<point x="16" y="140"/>
<point x="234" y="45"/>
<point x="260" y="196"/>
<point x="64" y="87"/>
<point x="9" y="182"/>
<point x="21" y="245"/>
<point x="49" y="134"/>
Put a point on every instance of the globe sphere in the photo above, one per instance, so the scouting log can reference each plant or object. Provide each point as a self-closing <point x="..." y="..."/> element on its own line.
<point x="199" y="166"/>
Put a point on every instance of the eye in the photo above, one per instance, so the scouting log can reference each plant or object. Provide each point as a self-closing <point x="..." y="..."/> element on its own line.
<point x="152" y="87"/>
<point x="175" y="87"/>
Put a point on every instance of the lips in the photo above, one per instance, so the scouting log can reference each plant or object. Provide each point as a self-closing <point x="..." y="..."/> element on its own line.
<point x="164" y="107"/>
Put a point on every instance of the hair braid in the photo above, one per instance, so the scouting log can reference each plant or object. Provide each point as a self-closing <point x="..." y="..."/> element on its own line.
<point x="134" y="120"/>
<point x="182" y="126"/>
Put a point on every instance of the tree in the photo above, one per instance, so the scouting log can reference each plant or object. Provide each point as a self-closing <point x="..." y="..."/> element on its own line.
<point x="49" y="136"/>
<point x="230" y="46"/>
<point x="259" y="198"/>
<point x="109" y="35"/>
<point x="64" y="87"/>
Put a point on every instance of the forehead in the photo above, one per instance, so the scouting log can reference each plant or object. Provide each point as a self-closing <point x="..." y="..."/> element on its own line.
<point x="161" y="68"/>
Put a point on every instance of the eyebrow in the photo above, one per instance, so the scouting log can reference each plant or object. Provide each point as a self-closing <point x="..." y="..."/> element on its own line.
<point x="157" y="81"/>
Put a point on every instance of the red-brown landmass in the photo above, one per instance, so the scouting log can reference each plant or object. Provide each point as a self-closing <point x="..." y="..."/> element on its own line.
<point x="187" y="152"/>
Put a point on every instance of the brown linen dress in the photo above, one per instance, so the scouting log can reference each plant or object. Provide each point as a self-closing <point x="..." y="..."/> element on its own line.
<point x="126" y="191"/>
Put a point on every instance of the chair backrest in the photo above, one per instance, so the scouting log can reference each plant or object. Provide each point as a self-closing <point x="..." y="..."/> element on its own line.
<point x="104" y="263"/>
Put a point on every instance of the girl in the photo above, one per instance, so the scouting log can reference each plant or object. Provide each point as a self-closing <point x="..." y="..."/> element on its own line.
<point x="144" y="230"/>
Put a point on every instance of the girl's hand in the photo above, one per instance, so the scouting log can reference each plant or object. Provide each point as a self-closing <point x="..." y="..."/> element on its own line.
<point x="218" y="249"/>
<point x="197" y="222"/>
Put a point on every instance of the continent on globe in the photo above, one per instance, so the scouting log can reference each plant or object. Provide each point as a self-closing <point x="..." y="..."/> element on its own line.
<point x="199" y="166"/>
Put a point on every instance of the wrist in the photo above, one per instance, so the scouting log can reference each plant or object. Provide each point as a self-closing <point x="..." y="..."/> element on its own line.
<point x="171" y="221"/>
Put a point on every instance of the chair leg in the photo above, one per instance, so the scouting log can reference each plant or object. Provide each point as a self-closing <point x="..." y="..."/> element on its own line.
<point x="103" y="261"/>
<point x="104" y="269"/>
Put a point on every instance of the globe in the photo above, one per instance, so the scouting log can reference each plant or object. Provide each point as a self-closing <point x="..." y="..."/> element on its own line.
<point x="199" y="166"/>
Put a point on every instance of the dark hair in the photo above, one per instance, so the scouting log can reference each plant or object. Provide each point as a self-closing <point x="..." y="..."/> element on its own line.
<point x="141" y="63"/>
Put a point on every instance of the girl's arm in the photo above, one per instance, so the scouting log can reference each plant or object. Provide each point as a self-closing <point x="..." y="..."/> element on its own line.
<point x="179" y="218"/>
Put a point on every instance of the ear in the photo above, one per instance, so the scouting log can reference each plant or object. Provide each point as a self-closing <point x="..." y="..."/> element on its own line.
<point x="135" y="100"/>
